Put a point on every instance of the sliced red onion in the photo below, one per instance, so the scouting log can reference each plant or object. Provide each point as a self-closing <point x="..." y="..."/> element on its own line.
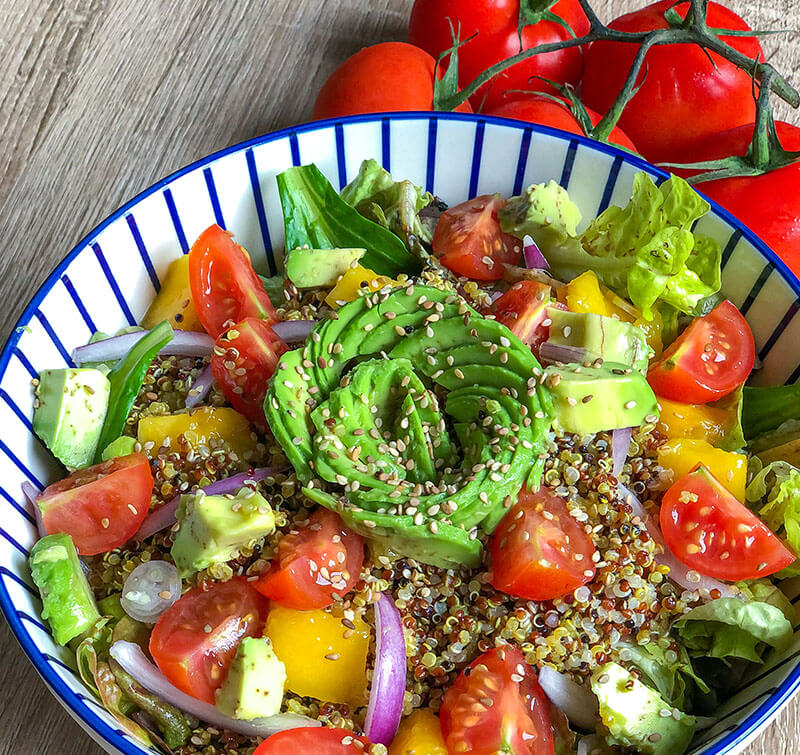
<point x="495" y="295"/>
<point x="293" y="331"/>
<point x="534" y="259"/>
<point x="150" y="589"/>
<point x="31" y="494"/>
<point x="620" y="443"/>
<point x="164" y="516"/>
<point x="132" y="658"/>
<point x="200" y="388"/>
<point x="185" y="343"/>
<point x="578" y="703"/>
<point x="679" y="573"/>
<point x="389" y="675"/>
<point x="550" y="353"/>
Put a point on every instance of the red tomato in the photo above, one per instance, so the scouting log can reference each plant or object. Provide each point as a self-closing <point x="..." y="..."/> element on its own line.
<point x="314" y="563"/>
<point x="225" y="288"/>
<point x="100" y="506"/>
<point x="469" y="241"/>
<point x="517" y="721"/>
<point x="685" y="93"/>
<point x="194" y="641"/>
<point x="768" y="204"/>
<point x="709" y="360"/>
<point x="382" y="78"/>
<point x="495" y="22"/>
<point x="712" y="533"/>
<point x="539" y="552"/>
<point x="252" y="346"/>
<point x="321" y="741"/>
<point x="523" y="309"/>
<point x="543" y="110"/>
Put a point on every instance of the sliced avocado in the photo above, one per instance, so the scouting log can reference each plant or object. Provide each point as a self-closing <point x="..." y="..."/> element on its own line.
<point x="122" y="446"/>
<point x="637" y="716"/>
<point x="590" y="399"/>
<point x="213" y="528"/>
<point x="68" y="604"/>
<point x="311" y="268"/>
<point x="601" y="337"/>
<point x="255" y="682"/>
<point x="70" y="413"/>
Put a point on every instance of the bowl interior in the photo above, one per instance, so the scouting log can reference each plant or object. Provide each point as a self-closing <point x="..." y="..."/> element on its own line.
<point x="108" y="280"/>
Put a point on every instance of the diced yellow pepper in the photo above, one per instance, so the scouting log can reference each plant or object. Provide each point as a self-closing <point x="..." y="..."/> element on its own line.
<point x="355" y="280"/>
<point x="694" y="421"/>
<point x="320" y="661"/>
<point x="174" y="301"/>
<point x="681" y="455"/>
<point x="419" y="734"/>
<point x="199" y="426"/>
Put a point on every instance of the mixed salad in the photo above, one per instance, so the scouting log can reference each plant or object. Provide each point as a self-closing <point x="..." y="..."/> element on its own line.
<point x="474" y="479"/>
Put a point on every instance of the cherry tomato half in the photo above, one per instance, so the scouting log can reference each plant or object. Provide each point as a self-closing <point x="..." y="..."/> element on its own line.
<point x="225" y="288"/>
<point x="709" y="360"/>
<point x="195" y="640"/>
<point x="716" y="535"/>
<point x="469" y="241"/>
<point x="101" y="506"/>
<point x="523" y="310"/>
<point x="314" y="562"/>
<point x="320" y="741"/>
<point x="516" y="721"/>
<point x="539" y="551"/>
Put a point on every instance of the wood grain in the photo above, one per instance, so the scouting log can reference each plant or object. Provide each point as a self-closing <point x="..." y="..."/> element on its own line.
<point x="99" y="98"/>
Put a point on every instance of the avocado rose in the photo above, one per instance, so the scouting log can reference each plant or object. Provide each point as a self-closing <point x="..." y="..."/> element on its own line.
<point x="415" y="418"/>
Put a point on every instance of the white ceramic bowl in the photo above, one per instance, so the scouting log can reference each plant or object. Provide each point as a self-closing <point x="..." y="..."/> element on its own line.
<point x="107" y="281"/>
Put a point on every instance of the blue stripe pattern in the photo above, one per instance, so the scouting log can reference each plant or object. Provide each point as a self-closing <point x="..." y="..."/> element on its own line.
<point x="79" y="305"/>
<point x="755" y="289"/>
<point x="522" y="160"/>
<point x="214" y="197"/>
<point x="782" y="325"/>
<point x="143" y="253"/>
<point x="431" y="169"/>
<point x="261" y="213"/>
<point x="22" y="416"/>
<point x="112" y="281"/>
<point x="294" y="147"/>
<point x="22" y="510"/>
<point x="32" y="371"/>
<point x="48" y="328"/>
<point x="730" y="246"/>
<point x="341" y="160"/>
<point x="176" y="220"/>
<point x="569" y="163"/>
<point x="386" y="144"/>
<point x="477" y="151"/>
<point x="20" y="466"/>
<point x="21" y="582"/>
<point x="611" y="182"/>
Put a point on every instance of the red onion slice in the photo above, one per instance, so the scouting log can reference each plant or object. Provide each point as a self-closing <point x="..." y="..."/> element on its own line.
<point x="534" y="259"/>
<point x="293" y="331"/>
<point x="185" y="343"/>
<point x="200" y="388"/>
<point x="578" y="703"/>
<point x="620" y="443"/>
<point x="389" y="675"/>
<point x="164" y="516"/>
<point x="131" y="657"/>
<point x="679" y="573"/>
<point x="550" y="353"/>
<point x="31" y="494"/>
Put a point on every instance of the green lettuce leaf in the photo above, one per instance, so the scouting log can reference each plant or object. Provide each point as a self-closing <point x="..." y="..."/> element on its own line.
<point x="393" y="204"/>
<point x="732" y="628"/>
<point x="671" y="678"/>
<point x="766" y="408"/>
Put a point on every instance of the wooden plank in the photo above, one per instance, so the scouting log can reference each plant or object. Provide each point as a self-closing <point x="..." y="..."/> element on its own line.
<point x="99" y="98"/>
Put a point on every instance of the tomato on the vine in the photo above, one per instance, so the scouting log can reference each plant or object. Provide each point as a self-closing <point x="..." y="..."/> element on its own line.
<point x="709" y="360"/>
<point x="495" y="23"/>
<point x="685" y="94"/>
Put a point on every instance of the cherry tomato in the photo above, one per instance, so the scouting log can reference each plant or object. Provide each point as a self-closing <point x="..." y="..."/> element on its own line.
<point x="320" y="741"/>
<point x="539" y="551"/>
<point x="252" y="346"/>
<point x="102" y="506"/>
<point x="517" y="721"/>
<point x="495" y="22"/>
<point x="382" y="78"/>
<point x="225" y="288"/>
<point x="523" y="310"/>
<point x="711" y="532"/>
<point x="677" y="83"/>
<point x="468" y="239"/>
<point x="315" y="562"/>
<point x="547" y="112"/>
<point x="194" y="641"/>
<point x="709" y="360"/>
<point x="768" y="204"/>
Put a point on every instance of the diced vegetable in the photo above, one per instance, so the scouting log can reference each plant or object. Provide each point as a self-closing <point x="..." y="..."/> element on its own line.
<point x="173" y="302"/>
<point x="681" y="455"/>
<point x="420" y="732"/>
<point x="355" y="281"/>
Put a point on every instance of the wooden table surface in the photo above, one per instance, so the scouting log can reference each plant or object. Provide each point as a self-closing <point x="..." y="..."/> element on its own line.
<point x="99" y="98"/>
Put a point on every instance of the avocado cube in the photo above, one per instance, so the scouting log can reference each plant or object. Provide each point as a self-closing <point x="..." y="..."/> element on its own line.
<point x="311" y="268"/>
<point x="255" y="682"/>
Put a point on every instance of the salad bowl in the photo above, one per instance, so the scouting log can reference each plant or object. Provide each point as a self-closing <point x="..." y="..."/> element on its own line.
<point x="108" y="280"/>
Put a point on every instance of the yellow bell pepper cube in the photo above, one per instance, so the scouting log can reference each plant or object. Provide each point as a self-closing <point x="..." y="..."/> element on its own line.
<point x="681" y="455"/>
<point x="199" y="427"/>
<point x="694" y="421"/>
<point x="323" y="658"/>
<point x="352" y="282"/>
<point x="174" y="301"/>
<point x="419" y="734"/>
